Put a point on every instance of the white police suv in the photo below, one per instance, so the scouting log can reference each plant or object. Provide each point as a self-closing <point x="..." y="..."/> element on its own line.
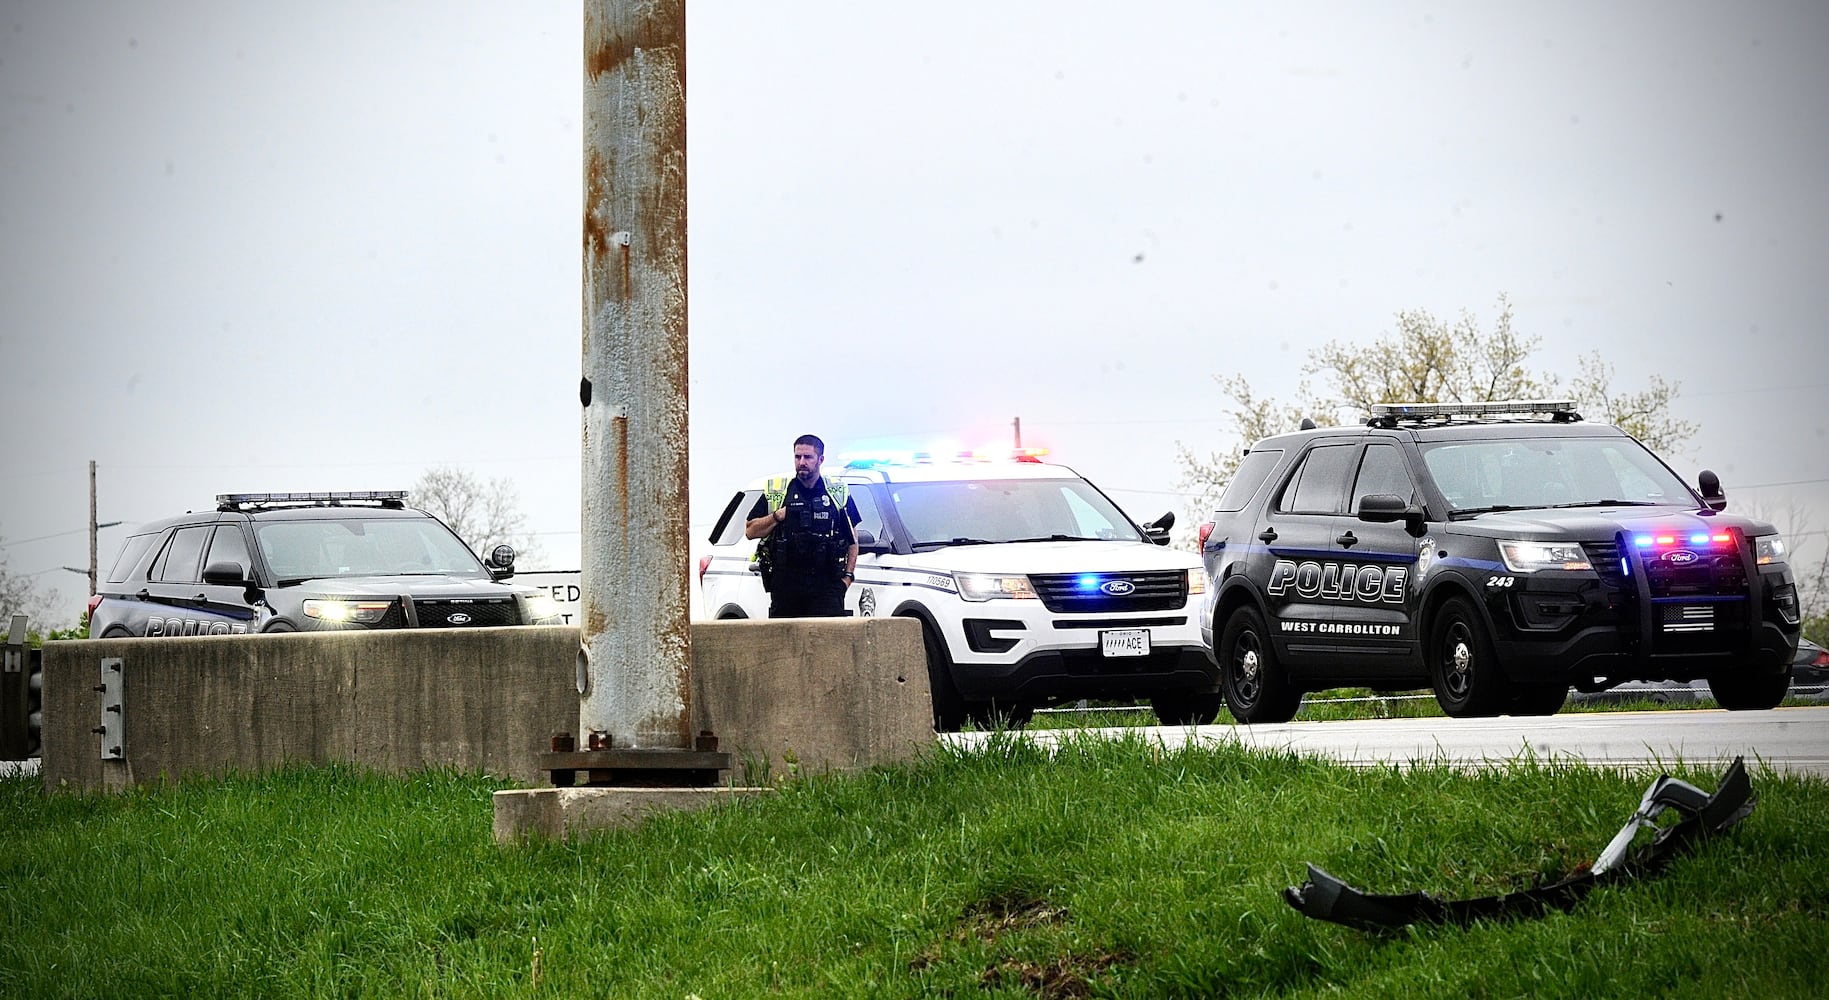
<point x="1031" y="586"/>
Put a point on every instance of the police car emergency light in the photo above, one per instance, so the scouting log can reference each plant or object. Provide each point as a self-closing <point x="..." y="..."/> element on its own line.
<point x="238" y="501"/>
<point x="910" y="459"/>
<point x="1388" y="414"/>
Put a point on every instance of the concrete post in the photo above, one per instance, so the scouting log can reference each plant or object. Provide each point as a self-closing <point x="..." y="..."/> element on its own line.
<point x="635" y="654"/>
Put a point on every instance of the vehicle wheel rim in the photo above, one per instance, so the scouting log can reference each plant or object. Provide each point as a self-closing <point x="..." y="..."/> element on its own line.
<point x="1459" y="672"/>
<point x="1249" y="672"/>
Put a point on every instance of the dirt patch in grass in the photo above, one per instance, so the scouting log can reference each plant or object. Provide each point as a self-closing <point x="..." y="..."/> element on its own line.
<point x="991" y="919"/>
<point x="1062" y="979"/>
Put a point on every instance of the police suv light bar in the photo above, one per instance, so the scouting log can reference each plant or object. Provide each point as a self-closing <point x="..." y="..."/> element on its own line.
<point x="891" y="459"/>
<point x="1557" y="409"/>
<point x="396" y="498"/>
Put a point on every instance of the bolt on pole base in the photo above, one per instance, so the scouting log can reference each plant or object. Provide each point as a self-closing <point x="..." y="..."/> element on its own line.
<point x="603" y="766"/>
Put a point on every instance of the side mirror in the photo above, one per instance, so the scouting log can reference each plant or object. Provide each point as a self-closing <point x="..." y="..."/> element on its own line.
<point x="226" y="574"/>
<point x="1157" y="531"/>
<point x="1711" y="490"/>
<point x="1384" y="508"/>
<point x="864" y="537"/>
<point x="501" y="562"/>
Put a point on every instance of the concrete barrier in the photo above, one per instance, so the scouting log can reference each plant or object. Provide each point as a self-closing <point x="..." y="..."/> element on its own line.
<point x="812" y="694"/>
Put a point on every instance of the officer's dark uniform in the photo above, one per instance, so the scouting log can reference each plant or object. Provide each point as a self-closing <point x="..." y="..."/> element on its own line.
<point x="805" y="558"/>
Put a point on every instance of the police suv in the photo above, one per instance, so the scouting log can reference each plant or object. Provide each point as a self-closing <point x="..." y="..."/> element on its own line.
<point x="1031" y="586"/>
<point x="1498" y="552"/>
<point x="286" y="562"/>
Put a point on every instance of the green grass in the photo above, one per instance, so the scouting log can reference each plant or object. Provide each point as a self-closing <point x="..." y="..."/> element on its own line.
<point x="1111" y="868"/>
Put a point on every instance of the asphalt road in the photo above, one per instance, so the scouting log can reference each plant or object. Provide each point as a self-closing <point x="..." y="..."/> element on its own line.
<point x="1785" y="739"/>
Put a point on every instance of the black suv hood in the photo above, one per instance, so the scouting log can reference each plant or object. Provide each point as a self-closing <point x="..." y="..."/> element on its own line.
<point x="1601" y="523"/>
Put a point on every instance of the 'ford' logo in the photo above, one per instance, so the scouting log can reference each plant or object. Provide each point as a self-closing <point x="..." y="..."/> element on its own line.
<point x="459" y="619"/>
<point x="1682" y="557"/>
<point x="1118" y="588"/>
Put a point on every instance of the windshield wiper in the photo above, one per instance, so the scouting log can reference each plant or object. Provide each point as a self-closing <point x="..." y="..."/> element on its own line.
<point x="1607" y="503"/>
<point x="922" y="546"/>
<point x="1495" y="508"/>
<point x="1056" y="538"/>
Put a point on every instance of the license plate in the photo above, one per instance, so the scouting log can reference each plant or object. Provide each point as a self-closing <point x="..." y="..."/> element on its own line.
<point x="1124" y="642"/>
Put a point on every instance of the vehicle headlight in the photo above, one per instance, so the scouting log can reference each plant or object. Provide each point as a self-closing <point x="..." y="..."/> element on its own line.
<point x="1529" y="557"/>
<point x="542" y="606"/>
<point x="1197" y="582"/>
<point x="1769" y="550"/>
<point x="353" y="612"/>
<point x="987" y="586"/>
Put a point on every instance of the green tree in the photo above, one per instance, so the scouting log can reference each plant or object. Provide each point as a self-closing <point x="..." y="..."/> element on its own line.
<point x="483" y="514"/>
<point x="1429" y="360"/>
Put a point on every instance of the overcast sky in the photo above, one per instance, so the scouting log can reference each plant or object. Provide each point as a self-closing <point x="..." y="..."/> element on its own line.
<point x="329" y="245"/>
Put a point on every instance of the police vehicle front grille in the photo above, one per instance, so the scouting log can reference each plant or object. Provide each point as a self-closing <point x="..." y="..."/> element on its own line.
<point x="1604" y="557"/>
<point x="1707" y="576"/>
<point x="1074" y="593"/>
<point x="466" y="613"/>
<point x="1721" y="574"/>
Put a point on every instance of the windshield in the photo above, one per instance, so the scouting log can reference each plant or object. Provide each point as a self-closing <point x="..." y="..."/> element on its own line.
<point x="1551" y="472"/>
<point x="1007" y="510"/>
<point x="355" y="546"/>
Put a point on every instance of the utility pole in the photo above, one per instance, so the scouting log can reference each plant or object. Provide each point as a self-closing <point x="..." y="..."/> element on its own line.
<point x="93" y="528"/>
<point x="1017" y="423"/>
<point x="635" y="657"/>
<point x="94" y="575"/>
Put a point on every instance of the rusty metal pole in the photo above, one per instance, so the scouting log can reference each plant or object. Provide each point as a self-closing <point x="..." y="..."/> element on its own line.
<point x="635" y="656"/>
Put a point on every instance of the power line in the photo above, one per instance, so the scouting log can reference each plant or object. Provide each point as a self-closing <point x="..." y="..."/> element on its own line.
<point x="1795" y="482"/>
<point x="40" y="538"/>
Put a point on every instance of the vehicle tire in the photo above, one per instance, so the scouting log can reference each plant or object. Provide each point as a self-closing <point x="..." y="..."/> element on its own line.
<point x="732" y="615"/>
<point x="1742" y="692"/>
<point x="949" y="705"/>
<point x="1462" y="664"/>
<point x="1538" y="699"/>
<point x="278" y="627"/>
<point x="1187" y="708"/>
<point x="1256" y="687"/>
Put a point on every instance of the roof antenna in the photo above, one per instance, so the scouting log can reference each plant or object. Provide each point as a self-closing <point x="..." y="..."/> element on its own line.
<point x="1308" y="424"/>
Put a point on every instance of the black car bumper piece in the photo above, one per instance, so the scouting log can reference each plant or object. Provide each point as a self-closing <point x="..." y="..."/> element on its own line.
<point x="1325" y="897"/>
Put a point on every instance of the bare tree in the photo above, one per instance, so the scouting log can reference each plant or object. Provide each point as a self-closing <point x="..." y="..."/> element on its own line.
<point x="483" y="514"/>
<point x="20" y="595"/>
<point x="1428" y="360"/>
<point x="1793" y="518"/>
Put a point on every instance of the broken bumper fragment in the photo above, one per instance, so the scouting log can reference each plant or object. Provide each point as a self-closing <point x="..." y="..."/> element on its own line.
<point x="1325" y="897"/>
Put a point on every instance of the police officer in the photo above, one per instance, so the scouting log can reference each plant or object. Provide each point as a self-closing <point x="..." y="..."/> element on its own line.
<point x="808" y="528"/>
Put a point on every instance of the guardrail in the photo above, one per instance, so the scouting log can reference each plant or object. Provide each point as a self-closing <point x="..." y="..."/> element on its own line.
<point x="21" y="688"/>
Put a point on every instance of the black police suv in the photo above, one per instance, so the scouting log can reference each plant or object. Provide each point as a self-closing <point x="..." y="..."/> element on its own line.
<point x="288" y="562"/>
<point x="1498" y="552"/>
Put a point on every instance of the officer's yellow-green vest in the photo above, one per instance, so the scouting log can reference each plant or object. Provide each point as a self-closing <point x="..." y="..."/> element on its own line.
<point x="775" y="492"/>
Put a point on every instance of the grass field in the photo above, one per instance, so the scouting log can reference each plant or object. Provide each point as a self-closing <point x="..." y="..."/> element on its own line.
<point x="1110" y="868"/>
